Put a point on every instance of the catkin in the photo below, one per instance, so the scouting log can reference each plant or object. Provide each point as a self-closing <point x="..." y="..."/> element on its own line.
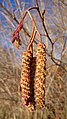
<point x="25" y="77"/>
<point x="33" y="73"/>
<point x="40" y="75"/>
<point x="31" y="105"/>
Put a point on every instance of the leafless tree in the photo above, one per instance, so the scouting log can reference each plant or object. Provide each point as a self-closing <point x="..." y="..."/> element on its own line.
<point x="51" y="21"/>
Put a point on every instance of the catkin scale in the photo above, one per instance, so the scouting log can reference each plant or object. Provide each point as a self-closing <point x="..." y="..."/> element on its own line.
<point x="40" y="75"/>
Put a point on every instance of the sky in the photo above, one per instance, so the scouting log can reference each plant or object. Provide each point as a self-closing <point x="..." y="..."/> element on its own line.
<point x="19" y="0"/>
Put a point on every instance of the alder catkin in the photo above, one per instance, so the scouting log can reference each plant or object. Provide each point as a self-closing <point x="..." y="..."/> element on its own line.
<point x="33" y="74"/>
<point x="31" y="105"/>
<point x="25" y="76"/>
<point x="40" y="76"/>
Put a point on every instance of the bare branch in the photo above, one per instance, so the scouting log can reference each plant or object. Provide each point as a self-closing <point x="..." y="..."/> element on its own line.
<point x="44" y="26"/>
<point x="37" y="3"/>
<point x="9" y="21"/>
<point x="14" y="18"/>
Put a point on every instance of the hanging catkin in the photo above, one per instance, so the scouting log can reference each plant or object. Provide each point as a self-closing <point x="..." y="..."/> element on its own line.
<point x="25" y="76"/>
<point x="40" y="75"/>
<point x="31" y="105"/>
<point x="33" y="67"/>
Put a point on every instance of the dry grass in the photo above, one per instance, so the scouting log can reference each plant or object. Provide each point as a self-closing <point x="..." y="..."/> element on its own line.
<point x="10" y="105"/>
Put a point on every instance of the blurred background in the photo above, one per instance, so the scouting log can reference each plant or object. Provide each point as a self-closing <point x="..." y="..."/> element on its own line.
<point x="55" y="19"/>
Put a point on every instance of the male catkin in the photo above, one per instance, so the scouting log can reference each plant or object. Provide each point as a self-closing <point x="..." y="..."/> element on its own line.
<point x="40" y="75"/>
<point x="25" y="76"/>
<point x="31" y="105"/>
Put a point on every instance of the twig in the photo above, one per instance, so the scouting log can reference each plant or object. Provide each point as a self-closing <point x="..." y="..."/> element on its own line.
<point x="56" y="61"/>
<point x="43" y="21"/>
<point x="36" y="3"/>
<point x="14" y="18"/>
<point x="20" y="26"/>
<point x="34" y="24"/>
<point x="32" y="37"/>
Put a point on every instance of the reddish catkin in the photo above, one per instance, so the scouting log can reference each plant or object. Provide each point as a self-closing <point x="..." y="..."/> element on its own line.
<point x="25" y="76"/>
<point x="40" y="76"/>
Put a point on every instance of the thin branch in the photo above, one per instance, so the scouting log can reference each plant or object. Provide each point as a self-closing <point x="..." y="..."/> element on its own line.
<point x="56" y="61"/>
<point x="63" y="2"/>
<point x="59" y="64"/>
<point x="10" y="22"/>
<point x="32" y="38"/>
<point x="18" y="6"/>
<point x="43" y="15"/>
<point x="43" y="21"/>
<point x="14" y="18"/>
<point x="59" y="5"/>
<point x="20" y="26"/>
<point x="44" y="26"/>
<point x="34" y="25"/>
<point x="37" y="3"/>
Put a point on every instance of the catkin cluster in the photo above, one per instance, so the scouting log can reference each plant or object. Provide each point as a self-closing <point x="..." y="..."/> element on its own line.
<point x="33" y="73"/>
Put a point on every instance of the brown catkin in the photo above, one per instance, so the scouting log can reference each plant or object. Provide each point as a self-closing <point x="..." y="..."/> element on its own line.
<point x="31" y="105"/>
<point x="40" y="75"/>
<point x="32" y="75"/>
<point x="25" y="76"/>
